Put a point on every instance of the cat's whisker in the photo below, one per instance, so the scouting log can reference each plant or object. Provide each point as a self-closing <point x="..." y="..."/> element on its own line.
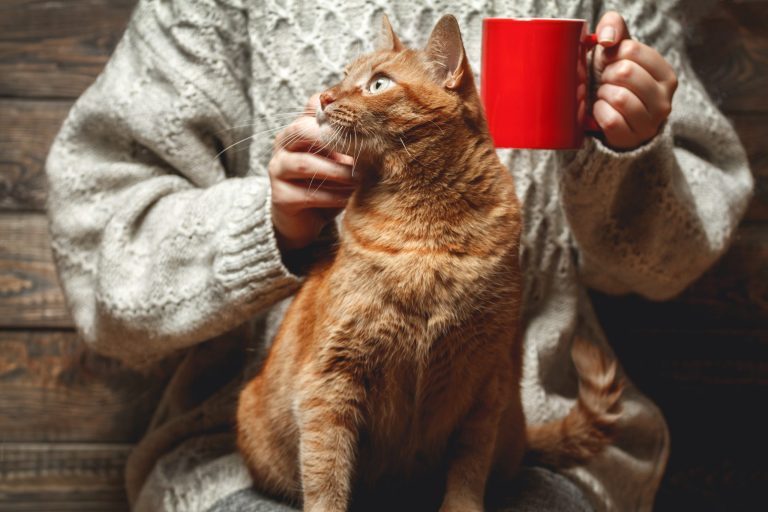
<point x="288" y="140"/>
<point x="312" y="179"/>
<point x="437" y="126"/>
<point x="359" y="150"/>
<point x="347" y="141"/>
<point x="279" y="116"/>
<point x="331" y="140"/>
<point x="237" y="143"/>
<point x="300" y="133"/>
<point x="405" y="148"/>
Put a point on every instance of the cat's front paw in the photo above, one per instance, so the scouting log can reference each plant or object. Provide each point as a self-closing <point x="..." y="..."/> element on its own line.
<point x="325" y="506"/>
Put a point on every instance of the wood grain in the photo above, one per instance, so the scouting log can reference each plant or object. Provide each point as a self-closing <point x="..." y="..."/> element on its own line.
<point x="28" y="130"/>
<point x="54" y="389"/>
<point x="56" y="49"/>
<point x="30" y="295"/>
<point x="62" y="477"/>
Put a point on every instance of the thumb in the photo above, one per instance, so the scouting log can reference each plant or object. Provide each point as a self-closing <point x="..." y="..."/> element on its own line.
<point x="611" y="29"/>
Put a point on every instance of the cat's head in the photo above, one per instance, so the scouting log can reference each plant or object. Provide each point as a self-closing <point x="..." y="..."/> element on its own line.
<point x="392" y="99"/>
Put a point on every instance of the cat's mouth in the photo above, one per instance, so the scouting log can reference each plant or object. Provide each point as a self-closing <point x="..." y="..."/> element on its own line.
<point x="339" y="131"/>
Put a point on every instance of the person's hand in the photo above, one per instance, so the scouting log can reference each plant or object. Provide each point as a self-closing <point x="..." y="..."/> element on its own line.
<point x="635" y="86"/>
<point x="310" y="185"/>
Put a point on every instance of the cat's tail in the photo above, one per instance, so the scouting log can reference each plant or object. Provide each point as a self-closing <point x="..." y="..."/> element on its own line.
<point x="589" y="426"/>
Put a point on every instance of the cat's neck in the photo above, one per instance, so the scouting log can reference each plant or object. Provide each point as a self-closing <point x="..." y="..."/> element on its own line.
<point x="432" y="186"/>
<point x="444" y="168"/>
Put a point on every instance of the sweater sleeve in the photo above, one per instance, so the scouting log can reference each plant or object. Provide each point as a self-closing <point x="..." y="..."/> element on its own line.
<point x="159" y="243"/>
<point x="651" y="220"/>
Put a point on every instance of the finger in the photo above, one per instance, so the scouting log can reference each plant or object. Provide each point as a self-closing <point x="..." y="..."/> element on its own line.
<point x="634" y="77"/>
<point x="341" y="158"/>
<point x="312" y="104"/>
<point x="305" y="166"/>
<point x="630" y="107"/>
<point x="647" y="57"/>
<point x="295" y="197"/>
<point x="302" y="131"/>
<point x="614" y="126"/>
<point x="611" y="29"/>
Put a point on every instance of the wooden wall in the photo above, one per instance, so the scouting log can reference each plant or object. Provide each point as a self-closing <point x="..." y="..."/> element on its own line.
<point x="68" y="418"/>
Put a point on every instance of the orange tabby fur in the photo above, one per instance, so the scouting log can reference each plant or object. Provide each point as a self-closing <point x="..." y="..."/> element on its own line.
<point x="401" y="355"/>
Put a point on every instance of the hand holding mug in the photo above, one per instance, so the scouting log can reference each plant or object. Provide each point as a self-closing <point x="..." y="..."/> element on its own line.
<point x="636" y="85"/>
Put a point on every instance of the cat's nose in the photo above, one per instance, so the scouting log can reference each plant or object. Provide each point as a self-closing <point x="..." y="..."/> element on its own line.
<point x="326" y="99"/>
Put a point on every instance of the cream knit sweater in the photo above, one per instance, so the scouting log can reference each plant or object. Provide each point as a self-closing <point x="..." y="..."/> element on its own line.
<point x="161" y="245"/>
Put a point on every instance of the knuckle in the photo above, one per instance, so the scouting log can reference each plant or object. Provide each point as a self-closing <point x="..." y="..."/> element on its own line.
<point x="279" y="199"/>
<point x="624" y="70"/>
<point x="673" y="83"/>
<point x="631" y="49"/>
<point x="622" y="98"/>
<point x="665" y="108"/>
<point x="613" y="121"/>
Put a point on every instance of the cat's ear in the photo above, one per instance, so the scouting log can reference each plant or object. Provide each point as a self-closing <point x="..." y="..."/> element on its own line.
<point x="445" y="50"/>
<point x="387" y="40"/>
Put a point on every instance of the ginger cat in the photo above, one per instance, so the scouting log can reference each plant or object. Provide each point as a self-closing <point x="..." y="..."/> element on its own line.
<point x="400" y="357"/>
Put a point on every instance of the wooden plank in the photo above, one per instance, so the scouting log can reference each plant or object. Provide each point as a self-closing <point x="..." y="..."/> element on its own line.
<point x="729" y="51"/>
<point x="29" y="290"/>
<point x="28" y="130"/>
<point x="54" y="389"/>
<point x="25" y="462"/>
<point x="62" y="477"/>
<point x="56" y="49"/>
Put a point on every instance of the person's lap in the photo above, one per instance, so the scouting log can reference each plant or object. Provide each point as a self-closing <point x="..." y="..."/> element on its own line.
<point x="203" y="474"/>
<point x="534" y="490"/>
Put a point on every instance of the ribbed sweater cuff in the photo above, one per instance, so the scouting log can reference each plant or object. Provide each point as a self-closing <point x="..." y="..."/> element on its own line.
<point x="596" y="160"/>
<point x="249" y="264"/>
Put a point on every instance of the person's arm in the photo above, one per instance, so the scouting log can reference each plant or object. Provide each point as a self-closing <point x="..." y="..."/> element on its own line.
<point x="651" y="219"/>
<point x="158" y="246"/>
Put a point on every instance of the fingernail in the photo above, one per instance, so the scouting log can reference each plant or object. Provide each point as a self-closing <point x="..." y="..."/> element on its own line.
<point x="607" y="35"/>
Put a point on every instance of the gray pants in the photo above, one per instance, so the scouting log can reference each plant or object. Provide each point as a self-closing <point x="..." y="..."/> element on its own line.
<point x="204" y="475"/>
<point x="534" y="490"/>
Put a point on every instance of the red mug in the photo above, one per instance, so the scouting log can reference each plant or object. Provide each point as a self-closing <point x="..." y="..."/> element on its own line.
<point x="534" y="82"/>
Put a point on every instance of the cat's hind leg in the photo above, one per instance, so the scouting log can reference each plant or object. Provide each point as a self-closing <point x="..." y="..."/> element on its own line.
<point x="268" y="440"/>
<point x="473" y="452"/>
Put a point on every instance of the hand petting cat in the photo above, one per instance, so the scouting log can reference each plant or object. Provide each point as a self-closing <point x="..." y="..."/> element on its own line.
<point x="636" y="85"/>
<point x="309" y="185"/>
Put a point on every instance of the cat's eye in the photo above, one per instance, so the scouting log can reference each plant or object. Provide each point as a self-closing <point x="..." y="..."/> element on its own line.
<point x="379" y="83"/>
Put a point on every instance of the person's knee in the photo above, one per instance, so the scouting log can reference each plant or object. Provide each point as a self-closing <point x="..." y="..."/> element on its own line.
<point x="249" y="500"/>
<point x="539" y="490"/>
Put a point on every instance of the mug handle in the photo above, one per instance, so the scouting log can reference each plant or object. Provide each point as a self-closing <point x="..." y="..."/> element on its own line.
<point x="590" y="125"/>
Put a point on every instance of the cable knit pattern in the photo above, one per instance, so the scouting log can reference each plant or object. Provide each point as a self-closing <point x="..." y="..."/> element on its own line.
<point x="163" y="243"/>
